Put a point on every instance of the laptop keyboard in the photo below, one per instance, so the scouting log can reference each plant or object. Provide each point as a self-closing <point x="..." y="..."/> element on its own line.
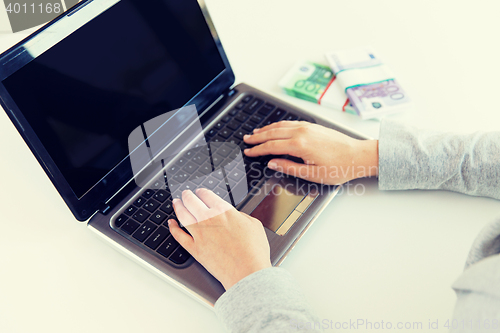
<point x="211" y="166"/>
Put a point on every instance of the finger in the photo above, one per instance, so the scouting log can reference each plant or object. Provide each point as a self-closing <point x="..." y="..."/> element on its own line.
<point x="274" y="147"/>
<point x="299" y="170"/>
<point x="212" y="200"/>
<point x="194" y="205"/>
<point x="279" y="133"/>
<point x="181" y="236"/>
<point x="284" y="123"/>
<point x="184" y="216"/>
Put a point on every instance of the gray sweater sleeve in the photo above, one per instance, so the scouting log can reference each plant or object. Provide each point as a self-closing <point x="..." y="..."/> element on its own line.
<point x="470" y="164"/>
<point x="416" y="159"/>
<point x="266" y="301"/>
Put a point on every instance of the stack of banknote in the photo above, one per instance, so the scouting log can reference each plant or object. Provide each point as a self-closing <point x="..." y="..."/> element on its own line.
<point x="315" y="83"/>
<point x="374" y="92"/>
<point x="368" y="90"/>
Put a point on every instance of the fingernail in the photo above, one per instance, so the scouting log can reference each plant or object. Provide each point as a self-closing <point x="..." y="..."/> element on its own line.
<point x="198" y="190"/>
<point x="246" y="136"/>
<point x="272" y="165"/>
<point x="256" y="130"/>
<point x="246" y="151"/>
<point x="175" y="201"/>
<point x="169" y="222"/>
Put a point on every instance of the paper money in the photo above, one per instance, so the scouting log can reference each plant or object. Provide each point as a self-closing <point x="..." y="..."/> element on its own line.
<point x="369" y="84"/>
<point x="315" y="83"/>
<point x="374" y="100"/>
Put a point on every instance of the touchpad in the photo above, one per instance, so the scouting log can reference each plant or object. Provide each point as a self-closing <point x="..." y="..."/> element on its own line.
<point x="279" y="206"/>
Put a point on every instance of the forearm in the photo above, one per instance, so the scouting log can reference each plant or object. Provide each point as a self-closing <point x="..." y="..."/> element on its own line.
<point x="416" y="159"/>
<point x="367" y="158"/>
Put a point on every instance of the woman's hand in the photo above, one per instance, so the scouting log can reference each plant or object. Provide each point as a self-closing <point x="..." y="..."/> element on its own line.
<point x="229" y="244"/>
<point x="330" y="157"/>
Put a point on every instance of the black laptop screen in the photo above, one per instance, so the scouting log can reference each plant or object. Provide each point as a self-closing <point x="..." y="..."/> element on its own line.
<point x="135" y="61"/>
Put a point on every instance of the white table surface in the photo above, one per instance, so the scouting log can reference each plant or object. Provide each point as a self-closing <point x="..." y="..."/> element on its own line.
<point x="388" y="256"/>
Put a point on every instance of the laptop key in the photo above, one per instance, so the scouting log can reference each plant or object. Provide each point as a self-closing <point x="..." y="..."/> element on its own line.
<point x="148" y="193"/>
<point x="168" y="247"/>
<point x="266" y="109"/>
<point x="217" y="160"/>
<point x="241" y="117"/>
<point x="139" y="202"/>
<point x="224" y="150"/>
<point x="234" y="112"/>
<point x="190" y="153"/>
<point x="144" y="231"/>
<point x="275" y="117"/>
<point x="234" y="141"/>
<point x="141" y="215"/>
<point x="197" y="178"/>
<point x="130" y="210"/>
<point x="158" y="236"/>
<point x="253" y="106"/>
<point x="239" y="134"/>
<point x="210" y="183"/>
<point x="218" y="138"/>
<point x="151" y="205"/>
<point x="181" y="161"/>
<point x="226" y="119"/>
<point x="239" y="191"/>
<point x="158" y="217"/>
<point x="120" y="220"/>
<point x="247" y="98"/>
<point x="200" y="158"/>
<point x="211" y="132"/>
<point x="236" y="175"/>
<point x="181" y="177"/>
<point x="219" y="125"/>
<point x="205" y="169"/>
<point x="225" y="133"/>
<point x="180" y="256"/>
<point x="158" y="184"/>
<point x="240" y="106"/>
<point x="167" y="207"/>
<point x="218" y="174"/>
<point x="220" y="191"/>
<point x="291" y="117"/>
<point x="173" y="169"/>
<point x="256" y="119"/>
<point x="190" y="167"/>
<point x="233" y="125"/>
<point x="161" y="196"/>
<point x="188" y="186"/>
<point x="247" y="128"/>
<point x="130" y="226"/>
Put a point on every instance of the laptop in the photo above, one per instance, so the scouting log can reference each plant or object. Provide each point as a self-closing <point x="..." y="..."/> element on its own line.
<point x="125" y="104"/>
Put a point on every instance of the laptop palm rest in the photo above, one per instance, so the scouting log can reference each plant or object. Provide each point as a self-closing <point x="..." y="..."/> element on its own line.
<point x="277" y="211"/>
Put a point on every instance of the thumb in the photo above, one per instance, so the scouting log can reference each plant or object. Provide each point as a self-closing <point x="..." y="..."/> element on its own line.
<point x="299" y="170"/>
<point x="181" y="236"/>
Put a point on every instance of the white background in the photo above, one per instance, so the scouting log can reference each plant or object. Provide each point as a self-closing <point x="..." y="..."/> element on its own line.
<point x="388" y="256"/>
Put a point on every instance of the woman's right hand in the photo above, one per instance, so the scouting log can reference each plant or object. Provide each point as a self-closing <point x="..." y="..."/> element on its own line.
<point x="330" y="157"/>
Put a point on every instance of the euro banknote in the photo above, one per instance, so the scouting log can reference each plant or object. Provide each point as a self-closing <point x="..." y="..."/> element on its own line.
<point x="315" y="83"/>
<point x="368" y="82"/>
<point x="377" y="99"/>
